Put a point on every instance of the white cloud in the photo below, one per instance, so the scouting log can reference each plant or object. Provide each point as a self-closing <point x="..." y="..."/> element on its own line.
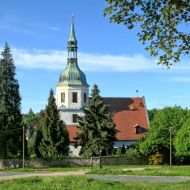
<point x="56" y="60"/>
<point x="53" y="59"/>
<point x="180" y="79"/>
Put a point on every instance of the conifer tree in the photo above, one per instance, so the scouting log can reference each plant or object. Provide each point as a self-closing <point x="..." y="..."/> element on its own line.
<point x="55" y="138"/>
<point x="10" y="107"/>
<point x="97" y="130"/>
<point x="38" y="138"/>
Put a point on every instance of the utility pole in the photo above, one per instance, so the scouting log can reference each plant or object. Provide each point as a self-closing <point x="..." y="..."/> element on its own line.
<point x="170" y="130"/>
<point x="23" y="146"/>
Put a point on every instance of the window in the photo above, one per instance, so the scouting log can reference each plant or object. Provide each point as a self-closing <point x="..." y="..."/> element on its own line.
<point x="85" y="98"/>
<point x="62" y="97"/>
<point x="138" y="130"/>
<point x="74" y="97"/>
<point x="75" y="118"/>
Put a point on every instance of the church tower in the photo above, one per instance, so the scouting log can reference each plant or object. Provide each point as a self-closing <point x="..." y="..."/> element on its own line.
<point x="72" y="90"/>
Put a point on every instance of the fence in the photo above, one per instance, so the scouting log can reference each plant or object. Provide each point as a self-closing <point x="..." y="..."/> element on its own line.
<point x="71" y="161"/>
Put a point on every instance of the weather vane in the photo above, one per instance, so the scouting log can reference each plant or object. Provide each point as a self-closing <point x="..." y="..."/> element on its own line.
<point x="137" y="91"/>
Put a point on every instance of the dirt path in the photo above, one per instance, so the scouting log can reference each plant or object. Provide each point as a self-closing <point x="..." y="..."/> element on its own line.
<point x="15" y="175"/>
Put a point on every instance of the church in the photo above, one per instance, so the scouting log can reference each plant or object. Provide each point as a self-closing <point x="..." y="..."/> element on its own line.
<point x="72" y="94"/>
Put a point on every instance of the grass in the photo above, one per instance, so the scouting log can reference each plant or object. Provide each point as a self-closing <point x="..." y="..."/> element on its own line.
<point x="147" y="171"/>
<point x="85" y="183"/>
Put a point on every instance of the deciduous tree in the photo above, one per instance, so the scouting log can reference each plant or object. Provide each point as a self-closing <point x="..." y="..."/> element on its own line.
<point x="182" y="140"/>
<point x="158" y="138"/>
<point x="163" y="25"/>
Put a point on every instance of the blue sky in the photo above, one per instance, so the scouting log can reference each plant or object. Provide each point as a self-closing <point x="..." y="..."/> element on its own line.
<point x="109" y="54"/>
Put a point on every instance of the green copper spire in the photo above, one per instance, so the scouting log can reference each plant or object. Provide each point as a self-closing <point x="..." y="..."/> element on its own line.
<point x="72" y="42"/>
<point x="72" y="75"/>
<point x="72" y="37"/>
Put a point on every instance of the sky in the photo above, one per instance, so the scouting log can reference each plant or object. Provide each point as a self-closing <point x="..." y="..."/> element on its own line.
<point x="110" y="55"/>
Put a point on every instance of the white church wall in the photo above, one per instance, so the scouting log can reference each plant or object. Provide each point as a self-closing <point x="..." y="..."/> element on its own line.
<point x="67" y="116"/>
<point x="68" y="90"/>
<point x="74" y="151"/>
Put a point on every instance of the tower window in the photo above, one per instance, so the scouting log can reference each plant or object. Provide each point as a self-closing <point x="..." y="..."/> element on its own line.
<point x="75" y="118"/>
<point x="62" y="97"/>
<point x="85" y="99"/>
<point x="75" y="99"/>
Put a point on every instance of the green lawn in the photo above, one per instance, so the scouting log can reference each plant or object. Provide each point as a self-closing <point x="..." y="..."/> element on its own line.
<point x="146" y="170"/>
<point x="85" y="183"/>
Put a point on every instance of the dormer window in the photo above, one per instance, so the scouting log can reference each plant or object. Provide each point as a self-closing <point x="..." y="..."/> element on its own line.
<point x="74" y="97"/>
<point x="138" y="129"/>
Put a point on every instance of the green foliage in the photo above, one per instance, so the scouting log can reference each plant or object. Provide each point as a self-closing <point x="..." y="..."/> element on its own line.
<point x="118" y="151"/>
<point x="123" y="149"/>
<point x="39" y="125"/>
<point x="30" y="118"/>
<point x="132" y="153"/>
<point x="151" y="114"/>
<point x="31" y="145"/>
<point x="10" y="108"/>
<point x="157" y="139"/>
<point x="162" y="25"/>
<point x="182" y="140"/>
<point x="156" y="159"/>
<point x="97" y="130"/>
<point x="55" y="138"/>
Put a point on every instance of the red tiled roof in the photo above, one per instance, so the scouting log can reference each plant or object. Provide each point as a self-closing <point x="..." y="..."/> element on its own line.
<point x="129" y="113"/>
<point x="72" y="130"/>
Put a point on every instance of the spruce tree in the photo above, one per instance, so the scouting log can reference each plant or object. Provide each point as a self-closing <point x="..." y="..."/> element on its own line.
<point x="55" y="138"/>
<point x="10" y="107"/>
<point x="97" y="130"/>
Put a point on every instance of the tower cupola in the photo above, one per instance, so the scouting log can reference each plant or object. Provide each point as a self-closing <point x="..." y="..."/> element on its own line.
<point x="72" y="75"/>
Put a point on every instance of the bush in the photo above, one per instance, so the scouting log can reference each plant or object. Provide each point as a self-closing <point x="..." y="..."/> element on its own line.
<point x="156" y="159"/>
<point x="132" y="154"/>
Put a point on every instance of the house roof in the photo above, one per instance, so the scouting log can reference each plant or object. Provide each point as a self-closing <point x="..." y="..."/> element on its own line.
<point x="129" y="113"/>
<point x="72" y="130"/>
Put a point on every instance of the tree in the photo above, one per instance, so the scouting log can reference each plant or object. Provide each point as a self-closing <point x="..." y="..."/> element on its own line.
<point x="182" y="141"/>
<point x="158" y="139"/>
<point x="151" y="114"/>
<point x="162" y="25"/>
<point x="10" y="107"/>
<point x="55" y="138"/>
<point x="30" y="120"/>
<point x="97" y="130"/>
<point x="38" y="138"/>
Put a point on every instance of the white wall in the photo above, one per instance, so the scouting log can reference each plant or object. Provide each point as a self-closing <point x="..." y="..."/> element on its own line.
<point x="68" y="90"/>
<point x="74" y="151"/>
<point x="67" y="116"/>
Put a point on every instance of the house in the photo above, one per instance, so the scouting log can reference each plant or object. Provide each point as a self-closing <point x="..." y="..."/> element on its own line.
<point x="72" y="93"/>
